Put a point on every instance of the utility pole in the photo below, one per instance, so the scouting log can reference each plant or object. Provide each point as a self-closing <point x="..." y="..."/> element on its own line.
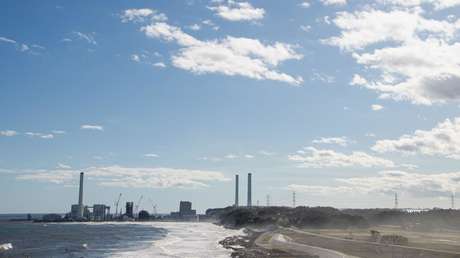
<point x="268" y="200"/>
<point x="452" y="201"/>
<point x="396" y="201"/>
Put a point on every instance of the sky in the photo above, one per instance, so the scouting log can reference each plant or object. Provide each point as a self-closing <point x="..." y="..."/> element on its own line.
<point x="343" y="102"/>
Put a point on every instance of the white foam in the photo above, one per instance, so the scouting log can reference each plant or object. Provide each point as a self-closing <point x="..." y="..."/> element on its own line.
<point x="188" y="240"/>
<point x="6" y="247"/>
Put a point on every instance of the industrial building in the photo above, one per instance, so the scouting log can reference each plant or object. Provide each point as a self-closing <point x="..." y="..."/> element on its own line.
<point x="185" y="211"/>
<point x="79" y="212"/>
<point x="129" y="209"/>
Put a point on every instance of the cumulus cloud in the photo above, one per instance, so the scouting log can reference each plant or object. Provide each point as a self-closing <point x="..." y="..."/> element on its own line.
<point x="376" y="107"/>
<point x="92" y="127"/>
<point x="389" y="182"/>
<point x="8" y="133"/>
<point x="135" y="58"/>
<point x="159" y="65"/>
<point x="358" y="80"/>
<point x="141" y="15"/>
<point x="230" y="56"/>
<point x="238" y="11"/>
<point x="414" y="55"/>
<point x="311" y="157"/>
<point x="305" y="4"/>
<point x="342" y="141"/>
<point x="443" y="140"/>
<point x="129" y="177"/>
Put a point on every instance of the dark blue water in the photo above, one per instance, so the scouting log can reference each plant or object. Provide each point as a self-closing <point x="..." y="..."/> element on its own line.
<point x="37" y="240"/>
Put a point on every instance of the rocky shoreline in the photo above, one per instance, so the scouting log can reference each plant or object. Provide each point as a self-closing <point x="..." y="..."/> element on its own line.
<point x="245" y="247"/>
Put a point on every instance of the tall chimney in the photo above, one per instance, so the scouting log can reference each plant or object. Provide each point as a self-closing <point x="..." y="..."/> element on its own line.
<point x="80" y="196"/>
<point x="236" y="189"/>
<point x="249" y="190"/>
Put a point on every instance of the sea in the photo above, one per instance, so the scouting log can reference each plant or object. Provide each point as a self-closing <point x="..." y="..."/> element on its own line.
<point x="113" y="239"/>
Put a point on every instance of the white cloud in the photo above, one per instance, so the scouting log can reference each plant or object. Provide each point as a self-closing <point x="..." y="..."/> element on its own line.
<point x="231" y="156"/>
<point x="305" y="28"/>
<point x="414" y="55"/>
<point x="249" y="156"/>
<point x="23" y="48"/>
<point x="363" y="28"/>
<point x="8" y="133"/>
<point x="305" y="4"/>
<point x="137" y="15"/>
<point x="210" y="24"/>
<point x="376" y="107"/>
<point x="63" y="166"/>
<point x="266" y="153"/>
<point x="7" y="40"/>
<point x="389" y="182"/>
<point x="342" y="141"/>
<point x="194" y="27"/>
<point x="40" y="135"/>
<point x="92" y="127"/>
<point x="334" y="2"/>
<point x="230" y="56"/>
<point x="135" y="58"/>
<point x="159" y="64"/>
<point x="58" y="132"/>
<point x="437" y="4"/>
<point x="88" y="37"/>
<point x="151" y="155"/>
<point x="311" y="157"/>
<point x="238" y="11"/>
<point x="141" y="15"/>
<point x="443" y="140"/>
<point x="358" y="80"/>
<point x="322" y="77"/>
<point x="129" y="177"/>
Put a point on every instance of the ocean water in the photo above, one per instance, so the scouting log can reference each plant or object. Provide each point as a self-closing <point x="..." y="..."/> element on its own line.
<point x="118" y="240"/>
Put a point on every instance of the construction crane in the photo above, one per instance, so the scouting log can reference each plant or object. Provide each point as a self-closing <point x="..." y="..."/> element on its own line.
<point x="154" y="207"/>
<point x="138" y="204"/>
<point x="116" y="205"/>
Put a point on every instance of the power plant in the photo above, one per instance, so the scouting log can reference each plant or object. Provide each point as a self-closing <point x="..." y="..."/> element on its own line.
<point x="237" y="190"/>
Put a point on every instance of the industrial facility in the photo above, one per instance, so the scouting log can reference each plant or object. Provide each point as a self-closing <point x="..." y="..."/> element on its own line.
<point x="237" y="187"/>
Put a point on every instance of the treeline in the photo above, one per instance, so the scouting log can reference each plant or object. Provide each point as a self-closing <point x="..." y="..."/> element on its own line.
<point x="328" y="217"/>
<point x="319" y="217"/>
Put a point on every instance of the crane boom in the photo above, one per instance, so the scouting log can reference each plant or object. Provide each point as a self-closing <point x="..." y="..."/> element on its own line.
<point x="138" y="203"/>
<point x="116" y="205"/>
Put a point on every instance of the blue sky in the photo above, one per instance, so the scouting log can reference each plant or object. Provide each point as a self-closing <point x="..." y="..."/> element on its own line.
<point x="343" y="102"/>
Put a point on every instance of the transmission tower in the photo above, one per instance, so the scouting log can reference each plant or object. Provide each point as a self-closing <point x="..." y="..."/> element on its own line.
<point x="268" y="200"/>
